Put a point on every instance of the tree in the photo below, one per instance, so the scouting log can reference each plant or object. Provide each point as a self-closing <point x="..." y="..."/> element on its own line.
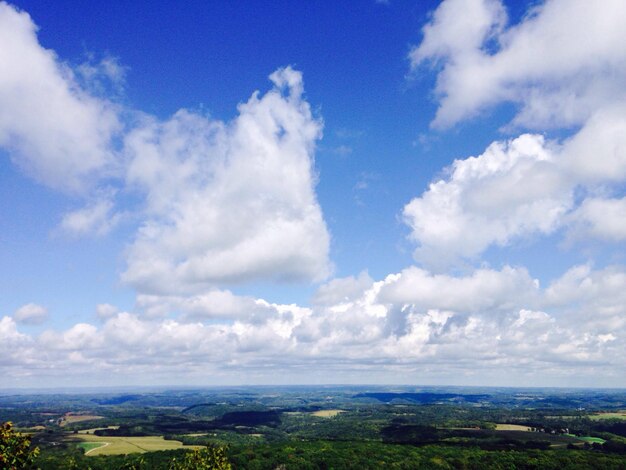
<point x="210" y="458"/>
<point x="15" y="450"/>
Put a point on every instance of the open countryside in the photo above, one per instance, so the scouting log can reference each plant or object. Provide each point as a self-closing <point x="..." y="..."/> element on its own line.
<point x="340" y="427"/>
<point x="313" y="235"/>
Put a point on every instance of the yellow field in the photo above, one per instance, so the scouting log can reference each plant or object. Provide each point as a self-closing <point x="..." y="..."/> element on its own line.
<point x="618" y="415"/>
<point x="327" y="413"/>
<point x="511" y="427"/>
<point x="113" y="445"/>
<point x="71" y="418"/>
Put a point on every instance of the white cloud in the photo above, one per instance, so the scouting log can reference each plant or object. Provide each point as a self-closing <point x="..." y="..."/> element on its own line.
<point x="224" y="202"/>
<point x="213" y="304"/>
<point x="563" y="66"/>
<point x="483" y="291"/>
<point x="95" y="219"/>
<point x="343" y="289"/>
<point x="229" y="202"/>
<point x="413" y="321"/>
<point x="597" y="153"/>
<point x="560" y="63"/>
<point x="603" y="219"/>
<point x="596" y="295"/>
<point x="55" y="130"/>
<point x="106" y="311"/>
<point x="9" y="335"/>
<point x="510" y="191"/>
<point x="31" y="314"/>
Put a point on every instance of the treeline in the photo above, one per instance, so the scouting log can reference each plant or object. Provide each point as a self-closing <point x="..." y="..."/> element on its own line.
<point x="325" y="455"/>
<point x="322" y="455"/>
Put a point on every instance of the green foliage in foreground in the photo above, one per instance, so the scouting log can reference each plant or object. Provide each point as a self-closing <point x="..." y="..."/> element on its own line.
<point x="15" y="450"/>
<point x="211" y="458"/>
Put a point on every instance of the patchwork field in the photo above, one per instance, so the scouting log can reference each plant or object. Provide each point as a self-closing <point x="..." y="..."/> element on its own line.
<point x="326" y="413"/>
<point x="111" y="445"/>
<point x="511" y="427"/>
<point x="89" y="447"/>
<point x="617" y="415"/>
<point x="73" y="418"/>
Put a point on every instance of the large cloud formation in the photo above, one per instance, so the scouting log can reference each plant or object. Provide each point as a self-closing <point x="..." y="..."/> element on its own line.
<point x="493" y="324"/>
<point x="563" y="67"/>
<point x="218" y="202"/>
<point x="561" y="63"/>
<point x="229" y="202"/>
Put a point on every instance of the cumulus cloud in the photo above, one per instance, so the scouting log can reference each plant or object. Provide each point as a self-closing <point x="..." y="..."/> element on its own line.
<point x="55" y="130"/>
<point x="560" y="63"/>
<point x="216" y="202"/>
<point x="596" y="154"/>
<point x="31" y="313"/>
<point x="226" y="202"/>
<point x="342" y="289"/>
<point x="484" y="291"/>
<point x="512" y="190"/>
<point x="229" y="202"/>
<point x="105" y="311"/>
<point x="592" y="295"/>
<point x="485" y="320"/>
<point x="563" y="68"/>
<point x="222" y="304"/>
<point x="598" y="218"/>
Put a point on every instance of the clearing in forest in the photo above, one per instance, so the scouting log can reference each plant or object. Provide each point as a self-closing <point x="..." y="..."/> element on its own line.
<point x="71" y="418"/>
<point x="616" y="415"/>
<point x="511" y="427"/>
<point x="327" y="413"/>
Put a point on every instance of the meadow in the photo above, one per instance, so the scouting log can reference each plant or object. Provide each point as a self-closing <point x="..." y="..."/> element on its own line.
<point x="111" y="445"/>
<point x="326" y="413"/>
<point x="620" y="415"/>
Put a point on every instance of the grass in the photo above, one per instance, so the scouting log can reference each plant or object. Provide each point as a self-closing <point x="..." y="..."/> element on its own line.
<point x="127" y="445"/>
<point x="72" y="418"/>
<point x="591" y="439"/>
<point x="511" y="427"/>
<point x="600" y="416"/>
<point x="327" y="413"/>
<point x="90" y="446"/>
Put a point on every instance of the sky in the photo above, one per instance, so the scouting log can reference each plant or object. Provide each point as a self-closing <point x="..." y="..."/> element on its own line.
<point x="374" y="192"/>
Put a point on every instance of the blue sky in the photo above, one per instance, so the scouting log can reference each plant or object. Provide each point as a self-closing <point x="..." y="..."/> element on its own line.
<point x="393" y="192"/>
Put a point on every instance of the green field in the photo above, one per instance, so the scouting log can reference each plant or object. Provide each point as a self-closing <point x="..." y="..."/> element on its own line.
<point x="592" y="439"/>
<point x="617" y="415"/>
<point x="90" y="446"/>
<point x="112" y="445"/>
<point x="70" y="418"/>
